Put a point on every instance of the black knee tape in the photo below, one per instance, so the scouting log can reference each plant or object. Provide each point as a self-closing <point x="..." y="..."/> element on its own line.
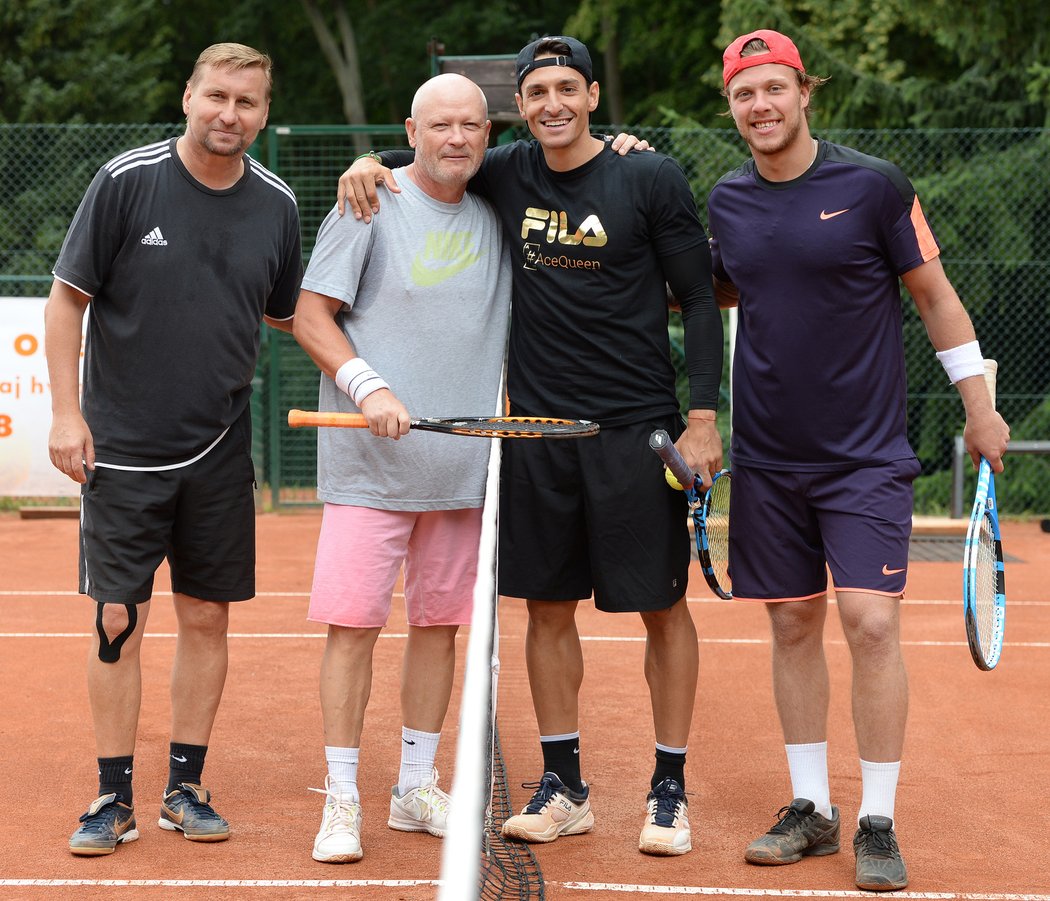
<point x="109" y="651"/>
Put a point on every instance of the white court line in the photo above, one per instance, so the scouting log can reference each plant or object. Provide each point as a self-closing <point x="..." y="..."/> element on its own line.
<point x="791" y="893"/>
<point x="570" y="886"/>
<point x="216" y="883"/>
<point x="175" y="635"/>
<point x="765" y="641"/>
<point x="612" y="638"/>
<point x="77" y="594"/>
<point x="907" y="602"/>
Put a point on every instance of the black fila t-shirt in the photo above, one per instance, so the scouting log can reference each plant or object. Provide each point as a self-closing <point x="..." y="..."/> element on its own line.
<point x="588" y="335"/>
<point x="180" y="276"/>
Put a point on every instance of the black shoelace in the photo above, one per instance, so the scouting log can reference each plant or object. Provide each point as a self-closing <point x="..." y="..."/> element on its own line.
<point x="880" y="844"/>
<point x="789" y="819"/>
<point x="666" y="808"/>
<point x="544" y="792"/>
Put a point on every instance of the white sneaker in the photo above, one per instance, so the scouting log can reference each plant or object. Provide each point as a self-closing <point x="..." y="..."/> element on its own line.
<point x="339" y="838"/>
<point x="666" y="829"/>
<point x="554" y="810"/>
<point x="423" y="809"/>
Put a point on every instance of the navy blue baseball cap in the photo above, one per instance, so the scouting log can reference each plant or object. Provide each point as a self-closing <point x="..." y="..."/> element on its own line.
<point x="578" y="58"/>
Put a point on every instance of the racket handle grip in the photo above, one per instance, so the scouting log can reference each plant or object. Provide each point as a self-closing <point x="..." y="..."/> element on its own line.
<point x="661" y="442"/>
<point x="298" y="419"/>
<point x="991" y="367"/>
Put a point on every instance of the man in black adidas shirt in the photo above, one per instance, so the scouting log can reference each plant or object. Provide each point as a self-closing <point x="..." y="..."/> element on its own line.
<point x="596" y="236"/>
<point x="180" y="249"/>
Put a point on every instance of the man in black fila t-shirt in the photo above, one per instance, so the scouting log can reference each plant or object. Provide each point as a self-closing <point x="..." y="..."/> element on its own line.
<point x="179" y="250"/>
<point x="596" y="239"/>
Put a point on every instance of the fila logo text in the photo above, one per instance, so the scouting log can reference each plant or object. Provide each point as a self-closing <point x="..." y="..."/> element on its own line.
<point x="591" y="232"/>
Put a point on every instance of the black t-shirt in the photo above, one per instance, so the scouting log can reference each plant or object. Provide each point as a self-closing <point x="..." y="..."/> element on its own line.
<point x="588" y="334"/>
<point x="180" y="276"/>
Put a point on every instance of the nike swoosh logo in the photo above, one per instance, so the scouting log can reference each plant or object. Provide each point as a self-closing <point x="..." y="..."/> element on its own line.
<point x="179" y="759"/>
<point x="575" y="750"/>
<point x="826" y="215"/>
<point x="890" y="572"/>
<point x="427" y="277"/>
<point x="407" y="742"/>
<point x="127" y="772"/>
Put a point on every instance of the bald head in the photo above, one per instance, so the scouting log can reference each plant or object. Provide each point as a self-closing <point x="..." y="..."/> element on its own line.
<point x="445" y="89"/>
<point x="449" y="130"/>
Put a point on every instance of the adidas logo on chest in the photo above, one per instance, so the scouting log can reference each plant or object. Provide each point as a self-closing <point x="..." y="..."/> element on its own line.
<point x="155" y="238"/>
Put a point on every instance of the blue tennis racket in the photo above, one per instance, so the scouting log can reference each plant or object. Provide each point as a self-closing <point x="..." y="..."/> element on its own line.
<point x="710" y="512"/>
<point x="984" y="573"/>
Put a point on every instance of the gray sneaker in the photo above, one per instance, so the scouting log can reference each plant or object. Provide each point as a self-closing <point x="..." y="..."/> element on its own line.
<point x="880" y="867"/>
<point x="800" y="832"/>
<point x="107" y="823"/>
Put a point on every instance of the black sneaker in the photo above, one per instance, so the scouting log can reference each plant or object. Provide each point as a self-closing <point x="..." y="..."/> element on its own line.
<point x="107" y="823"/>
<point x="880" y="867"/>
<point x="800" y="832"/>
<point x="666" y="829"/>
<point x="186" y="809"/>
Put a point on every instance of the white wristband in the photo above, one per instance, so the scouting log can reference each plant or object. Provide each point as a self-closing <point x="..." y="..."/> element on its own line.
<point x="962" y="362"/>
<point x="358" y="379"/>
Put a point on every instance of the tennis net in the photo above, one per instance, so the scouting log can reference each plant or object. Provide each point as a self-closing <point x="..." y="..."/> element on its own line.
<point x="480" y="792"/>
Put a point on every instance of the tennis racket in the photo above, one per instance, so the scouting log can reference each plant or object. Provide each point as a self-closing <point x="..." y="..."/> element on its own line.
<point x="478" y="426"/>
<point x="710" y="512"/>
<point x="984" y="575"/>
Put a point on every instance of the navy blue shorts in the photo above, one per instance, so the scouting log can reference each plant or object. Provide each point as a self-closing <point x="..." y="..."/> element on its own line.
<point x="787" y="529"/>
<point x="593" y="515"/>
<point x="201" y="517"/>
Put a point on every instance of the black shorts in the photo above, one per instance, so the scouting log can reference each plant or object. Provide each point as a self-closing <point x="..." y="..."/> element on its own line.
<point x="200" y="516"/>
<point x="593" y="515"/>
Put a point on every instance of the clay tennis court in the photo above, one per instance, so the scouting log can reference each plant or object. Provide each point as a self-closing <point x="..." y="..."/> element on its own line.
<point x="971" y="810"/>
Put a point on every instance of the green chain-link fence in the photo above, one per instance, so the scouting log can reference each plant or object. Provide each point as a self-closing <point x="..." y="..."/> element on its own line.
<point x="986" y="192"/>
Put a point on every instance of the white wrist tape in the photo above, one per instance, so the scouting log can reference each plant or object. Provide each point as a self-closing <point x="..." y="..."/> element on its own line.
<point x="962" y="362"/>
<point x="358" y="379"/>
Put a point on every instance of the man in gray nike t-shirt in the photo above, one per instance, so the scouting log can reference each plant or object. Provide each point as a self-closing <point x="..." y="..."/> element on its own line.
<point x="422" y="293"/>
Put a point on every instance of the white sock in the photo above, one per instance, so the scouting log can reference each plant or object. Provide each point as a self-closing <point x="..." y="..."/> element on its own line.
<point x="342" y="768"/>
<point x="879" y="781"/>
<point x="808" y="765"/>
<point x="418" y="751"/>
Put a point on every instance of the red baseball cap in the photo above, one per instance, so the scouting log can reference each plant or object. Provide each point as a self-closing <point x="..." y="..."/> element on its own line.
<point x="782" y="50"/>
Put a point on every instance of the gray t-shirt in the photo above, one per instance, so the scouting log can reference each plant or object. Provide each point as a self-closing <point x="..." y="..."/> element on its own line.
<point x="426" y="288"/>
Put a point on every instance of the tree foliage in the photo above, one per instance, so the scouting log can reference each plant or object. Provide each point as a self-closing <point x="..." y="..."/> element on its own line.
<point x="83" y="61"/>
<point x="893" y="63"/>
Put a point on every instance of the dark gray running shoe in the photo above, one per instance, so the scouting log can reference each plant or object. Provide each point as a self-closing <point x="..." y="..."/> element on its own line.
<point x="107" y="823"/>
<point x="800" y="832"/>
<point x="186" y="809"/>
<point x="880" y="867"/>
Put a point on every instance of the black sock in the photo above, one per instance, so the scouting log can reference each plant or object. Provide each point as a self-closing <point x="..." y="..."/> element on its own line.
<point x="562" y="756"/>
<point x="185" y="764"/>
<point x="669" y="765"/>
<point x="114" y="775"/>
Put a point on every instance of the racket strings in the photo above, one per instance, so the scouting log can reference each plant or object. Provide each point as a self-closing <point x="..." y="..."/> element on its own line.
<point x="986" y="584"/>
<point x="717" y="524"/>
<point x="523" y="427"/>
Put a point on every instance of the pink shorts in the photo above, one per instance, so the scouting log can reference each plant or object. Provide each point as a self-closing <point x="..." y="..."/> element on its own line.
<point x="359" y="554"/>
